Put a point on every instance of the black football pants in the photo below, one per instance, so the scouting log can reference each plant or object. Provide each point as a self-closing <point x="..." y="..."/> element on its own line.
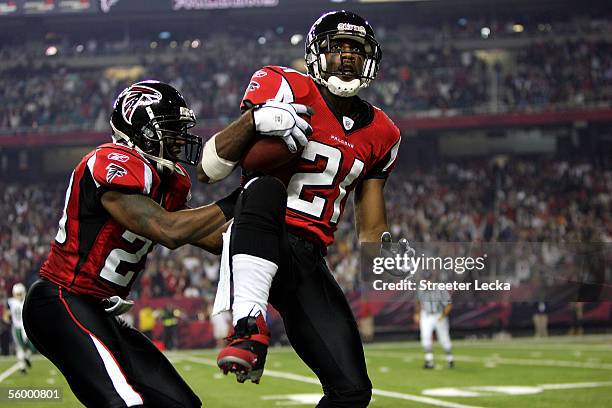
<point x="106" y="362"/>
<point x="318" y="319"/>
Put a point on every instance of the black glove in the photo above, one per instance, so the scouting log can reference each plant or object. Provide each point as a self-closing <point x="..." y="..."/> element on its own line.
<point x="390" y="250"/>
<point x="227" y="204"/>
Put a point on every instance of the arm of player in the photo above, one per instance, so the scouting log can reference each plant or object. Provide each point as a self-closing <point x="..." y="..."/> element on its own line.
<point x="213" y="242"/>
<point x="417" y="312"/>
<point x="230" y="143"/>
<point x="446" y="311"/>
<point x="145" y="217"/>
<point x="271" y="119"/>
<point x="370" y="211"/>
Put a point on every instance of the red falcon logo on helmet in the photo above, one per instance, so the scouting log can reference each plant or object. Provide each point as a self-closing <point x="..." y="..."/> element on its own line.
<point x="135" y="96"/>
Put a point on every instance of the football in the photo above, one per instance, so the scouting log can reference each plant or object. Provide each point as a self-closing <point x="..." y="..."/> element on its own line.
<point x="266" y="153"/>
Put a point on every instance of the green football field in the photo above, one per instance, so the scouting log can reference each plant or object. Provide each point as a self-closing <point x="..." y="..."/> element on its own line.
<point x="556" y="372"/>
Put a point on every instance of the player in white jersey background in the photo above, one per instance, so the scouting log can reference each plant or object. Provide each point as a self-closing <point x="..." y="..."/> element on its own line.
<point x="23" y="346"/>
<point x="431" y="313"/>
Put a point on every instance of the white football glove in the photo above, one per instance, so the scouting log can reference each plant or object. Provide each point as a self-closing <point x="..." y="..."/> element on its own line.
<point x="116" y="306"/>
<point x="282" y="119"/>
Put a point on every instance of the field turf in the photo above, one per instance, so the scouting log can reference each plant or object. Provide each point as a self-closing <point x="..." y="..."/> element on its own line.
<point x="556" y="372"/>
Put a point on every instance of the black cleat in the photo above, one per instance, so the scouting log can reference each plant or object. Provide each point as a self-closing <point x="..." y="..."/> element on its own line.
<point x="451" y="364"/>
<point x="428" y="365"/>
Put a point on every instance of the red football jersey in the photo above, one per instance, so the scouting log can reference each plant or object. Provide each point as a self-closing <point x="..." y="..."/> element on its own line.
<point x="92" y="254"/>
<point x="340" y="153"/>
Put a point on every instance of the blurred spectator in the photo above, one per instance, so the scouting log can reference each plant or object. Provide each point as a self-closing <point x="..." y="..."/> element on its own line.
<point x="146" y="321"/>
<point x="547" y="201"/>
<point x="425" y="71"/>
<point x="540" y="319"/>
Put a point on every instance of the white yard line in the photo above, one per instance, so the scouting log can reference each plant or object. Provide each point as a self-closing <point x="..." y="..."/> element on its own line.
<point x="314" y="381"/>
<point x="11" y="357"/>
<point x="9" y="371"/>
<point x="575" y="385"/>
<point x="502" y="360"/>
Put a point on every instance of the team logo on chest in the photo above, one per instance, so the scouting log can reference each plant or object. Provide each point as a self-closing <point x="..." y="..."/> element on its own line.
<point x="136" y="96"/>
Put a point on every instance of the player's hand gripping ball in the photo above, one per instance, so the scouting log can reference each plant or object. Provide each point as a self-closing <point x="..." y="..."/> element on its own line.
<point x="282" y="130"/>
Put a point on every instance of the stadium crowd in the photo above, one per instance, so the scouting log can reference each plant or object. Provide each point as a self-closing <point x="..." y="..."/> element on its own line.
<point x="553" y="202"/>
<point x="48" y="93"/>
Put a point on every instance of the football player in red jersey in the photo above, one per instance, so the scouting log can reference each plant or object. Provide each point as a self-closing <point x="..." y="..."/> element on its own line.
<point x="285" y="220"/>
<point x="122" y="198"/>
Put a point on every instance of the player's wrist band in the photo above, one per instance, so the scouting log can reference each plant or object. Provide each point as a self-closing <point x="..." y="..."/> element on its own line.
<point x="215" y="167"/>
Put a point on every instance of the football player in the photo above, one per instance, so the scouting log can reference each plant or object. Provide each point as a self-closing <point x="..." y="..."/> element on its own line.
<point x="285" y="220"/>
<point x="23" y="346"/>
<point x="123" y="198"/>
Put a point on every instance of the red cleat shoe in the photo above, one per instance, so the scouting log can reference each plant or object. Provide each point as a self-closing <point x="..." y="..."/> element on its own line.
<point x="245" y="356"/>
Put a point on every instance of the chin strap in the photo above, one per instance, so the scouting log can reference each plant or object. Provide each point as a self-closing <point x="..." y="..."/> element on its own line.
<point x="160" y="163"/>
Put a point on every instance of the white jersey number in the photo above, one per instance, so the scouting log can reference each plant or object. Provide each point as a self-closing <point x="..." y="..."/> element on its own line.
<point x="324" y="179"/>
<point x="116" y="256"/>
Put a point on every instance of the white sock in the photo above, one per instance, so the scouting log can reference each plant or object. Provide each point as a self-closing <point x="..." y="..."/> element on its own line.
<point x="429" y="357"/>
<point x="252" y="280"/>
<point x="449" y="356"/>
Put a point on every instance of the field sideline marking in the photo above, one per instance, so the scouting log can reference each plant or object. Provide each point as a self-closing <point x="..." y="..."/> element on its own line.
<point x="9" y="371"/>
<point x="502" y="344"/>
<point x="502" y="360"/>
<point x="584" y="343"/>
<point x="313" y="380"/>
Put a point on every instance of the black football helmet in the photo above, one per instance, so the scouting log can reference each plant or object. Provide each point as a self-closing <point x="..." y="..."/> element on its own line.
<point x="153" y="117"/>
<point x="341" y="24"/>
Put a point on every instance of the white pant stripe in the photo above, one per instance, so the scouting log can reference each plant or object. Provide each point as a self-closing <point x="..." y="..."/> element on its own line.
<point x="125" y="390"/>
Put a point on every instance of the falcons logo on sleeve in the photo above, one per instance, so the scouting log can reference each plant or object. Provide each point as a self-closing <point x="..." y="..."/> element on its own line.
<point x="136" y="96"/>
<point x="114" y="170"/>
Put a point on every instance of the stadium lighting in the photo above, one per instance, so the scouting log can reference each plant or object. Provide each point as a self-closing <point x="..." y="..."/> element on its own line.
<point x="544" y="27"/>
<point x="518" y="28"/>
<point x="485" y="32"/>
<point x="153" y="44"/>
<point x="173" y="44"/>
<point x="51" y="51"/>
<point x="80" y="48"/>
<point x="164" y="35"/>
<point x="296" y="39"/>
<point x="261" y="40"/>
<point x="195" y="43"/>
